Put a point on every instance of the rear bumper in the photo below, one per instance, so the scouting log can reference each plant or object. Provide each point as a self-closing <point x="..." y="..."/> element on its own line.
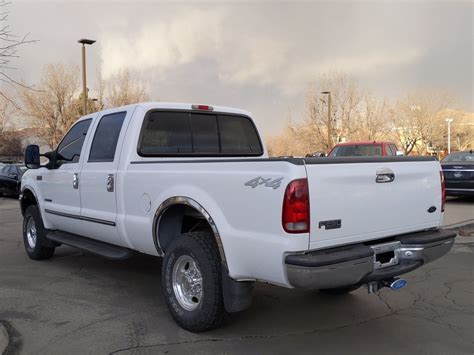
<point x="357" y="263"/>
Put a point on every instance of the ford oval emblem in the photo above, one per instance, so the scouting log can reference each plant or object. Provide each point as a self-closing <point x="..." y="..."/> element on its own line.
<point x="431" y="209"/>
<point x="398" y="284"/>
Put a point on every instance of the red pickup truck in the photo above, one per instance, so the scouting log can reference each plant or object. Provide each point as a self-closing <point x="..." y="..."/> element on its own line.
<point x="364" y="149"/>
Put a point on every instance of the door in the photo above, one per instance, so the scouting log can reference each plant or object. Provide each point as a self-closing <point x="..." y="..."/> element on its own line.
<point x="61" y="185"/>
<point x="98" y="179"/>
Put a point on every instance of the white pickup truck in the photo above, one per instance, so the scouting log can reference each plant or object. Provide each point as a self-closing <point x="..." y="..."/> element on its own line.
<point x="194" y="184"/>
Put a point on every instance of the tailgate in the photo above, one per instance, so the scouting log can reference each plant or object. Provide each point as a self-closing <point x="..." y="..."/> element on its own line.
<point x="348" y="205"/>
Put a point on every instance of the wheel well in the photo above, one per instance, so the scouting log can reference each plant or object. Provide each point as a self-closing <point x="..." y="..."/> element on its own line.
<point x="179" y="215"/>
<point x="28" y="199"/>
<point x="178" y="219"/>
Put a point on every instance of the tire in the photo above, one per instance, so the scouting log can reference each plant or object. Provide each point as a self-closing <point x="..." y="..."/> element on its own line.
<point x="340" y="290"/>
<point x="36" y="245"/>
<point x="193" y="310"/>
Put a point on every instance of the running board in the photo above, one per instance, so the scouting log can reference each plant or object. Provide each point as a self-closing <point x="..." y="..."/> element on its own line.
<point x="92" y="246"/>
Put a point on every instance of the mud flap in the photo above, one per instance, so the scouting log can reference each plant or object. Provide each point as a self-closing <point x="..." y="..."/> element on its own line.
<point x="237" y="294"/>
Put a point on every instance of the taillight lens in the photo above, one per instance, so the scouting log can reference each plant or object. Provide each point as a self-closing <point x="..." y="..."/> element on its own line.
<point x="295" y="218"/>
<point x="443" y="191"/>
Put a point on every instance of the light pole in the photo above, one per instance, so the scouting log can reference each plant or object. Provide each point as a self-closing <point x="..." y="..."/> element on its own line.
<point x="329" y="119"/>
<point x="449" y="120"/>
<point x="84" y="41"/>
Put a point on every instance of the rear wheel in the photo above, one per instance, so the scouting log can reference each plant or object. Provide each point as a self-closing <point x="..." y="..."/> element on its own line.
<point x="339" y="290"/>
<point x="36" y="245"/>
<point x="192" y="282"/>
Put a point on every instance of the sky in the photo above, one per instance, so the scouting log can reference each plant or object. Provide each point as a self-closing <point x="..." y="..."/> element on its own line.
<point x="261" y="56"/>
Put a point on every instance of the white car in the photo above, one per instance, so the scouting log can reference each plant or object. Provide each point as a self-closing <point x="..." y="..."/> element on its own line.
<point x="194" y="184"/>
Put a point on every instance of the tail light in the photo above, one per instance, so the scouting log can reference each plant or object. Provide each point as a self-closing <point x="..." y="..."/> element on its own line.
<point x="295" y="218"/>
<point x="443" y="190"/>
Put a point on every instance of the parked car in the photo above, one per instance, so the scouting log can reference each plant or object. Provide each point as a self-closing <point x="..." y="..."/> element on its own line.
<point x="194" y="185"/>
<point x="319" y="154"/>
<point x="365" y="149"/>
<point x="458" y="169"/>
<point x="10" y="179"/>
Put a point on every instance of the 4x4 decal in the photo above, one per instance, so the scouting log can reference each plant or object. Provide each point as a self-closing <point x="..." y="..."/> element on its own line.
<point x="267" y="182"/>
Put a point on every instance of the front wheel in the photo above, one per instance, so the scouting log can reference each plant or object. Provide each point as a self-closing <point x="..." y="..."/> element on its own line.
<point x="36" y="245"/>
<point x="192" y="282"/>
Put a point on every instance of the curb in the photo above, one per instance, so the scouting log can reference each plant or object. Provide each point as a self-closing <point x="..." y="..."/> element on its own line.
<point x="4" y="339"/>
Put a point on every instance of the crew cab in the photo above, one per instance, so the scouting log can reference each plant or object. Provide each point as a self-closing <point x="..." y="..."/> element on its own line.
<point x="194" y="184"/>
<point x="365" y="149"/>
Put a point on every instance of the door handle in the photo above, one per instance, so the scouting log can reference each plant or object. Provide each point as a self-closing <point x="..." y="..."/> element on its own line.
<point x="384" y="175"/>
<point x="110" y="183"/>
<point x="75" y="181"/>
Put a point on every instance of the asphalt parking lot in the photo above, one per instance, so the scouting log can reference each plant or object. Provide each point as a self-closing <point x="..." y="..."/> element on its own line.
<point x="77" y="303"/>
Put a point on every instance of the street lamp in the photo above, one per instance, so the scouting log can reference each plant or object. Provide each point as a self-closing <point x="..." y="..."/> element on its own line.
<point x="329" y="118"/>
<point x="84" y="41"/>
<point x="449" y="120"/>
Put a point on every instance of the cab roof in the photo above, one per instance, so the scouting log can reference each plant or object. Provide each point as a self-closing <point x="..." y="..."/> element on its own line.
<point x="364" y="143"/>
<point x="146" y="106"/>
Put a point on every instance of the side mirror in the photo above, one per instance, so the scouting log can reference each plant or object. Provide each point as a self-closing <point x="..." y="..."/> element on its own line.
<point x="400" y="153"/>
<point x="32" y="157"/>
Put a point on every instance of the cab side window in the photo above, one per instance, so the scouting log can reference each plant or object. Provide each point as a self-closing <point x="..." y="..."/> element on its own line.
<point x="389" y="151"/>
<point x="106" y="137"/>
<point x="69" y="149"/>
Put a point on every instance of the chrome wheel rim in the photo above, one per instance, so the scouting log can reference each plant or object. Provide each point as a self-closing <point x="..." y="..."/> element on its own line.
<point x="187" y="282"/>
<point x="31" y="232"/>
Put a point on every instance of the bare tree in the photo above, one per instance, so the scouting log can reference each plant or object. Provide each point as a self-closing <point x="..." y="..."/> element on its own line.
<point x="462" y="130"/>
<point x="7" y="109"/>
<point x="123" y="90"/>
<point x="56" y="105"/>
<point x="418" y="121"/>
<point x="10" y="144"/>
<point x="100" y="91"/>
<point x="346" y="101"/>
<point x="9" y="46"/>
<point x="354" y="115"/>
<point x="370" y="121"/>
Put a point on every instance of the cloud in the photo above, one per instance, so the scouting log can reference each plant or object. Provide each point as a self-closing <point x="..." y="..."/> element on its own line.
<point x="182" y="39"/>
<point x="239" y="54"/>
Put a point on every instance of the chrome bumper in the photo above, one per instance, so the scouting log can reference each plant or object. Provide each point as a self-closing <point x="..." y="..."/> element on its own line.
<point x="360" y="263"/>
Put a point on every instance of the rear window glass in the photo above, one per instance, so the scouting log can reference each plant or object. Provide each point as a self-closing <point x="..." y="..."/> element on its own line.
<point x="198" y="134"/>
<point x="460" y="157"/>
<point x="165" y="133"/>
<point x="205" y="134"/>
<point x="357" y="151"/>
<point x="238" y="136"/>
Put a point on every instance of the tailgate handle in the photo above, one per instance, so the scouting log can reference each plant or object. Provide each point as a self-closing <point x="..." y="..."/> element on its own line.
<point x="384" y="175"/>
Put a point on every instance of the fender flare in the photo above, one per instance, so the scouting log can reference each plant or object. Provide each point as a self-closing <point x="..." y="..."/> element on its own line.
<point x="183" y="200"/>
<point x="33" y="192"/>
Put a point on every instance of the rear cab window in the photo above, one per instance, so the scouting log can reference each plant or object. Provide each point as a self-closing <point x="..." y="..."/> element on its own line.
<point x="357" y="150"/>
<point x="181" y="133"/>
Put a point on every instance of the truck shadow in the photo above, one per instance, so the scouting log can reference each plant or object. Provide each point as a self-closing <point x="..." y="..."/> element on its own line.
<point x="274" y="309"/>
